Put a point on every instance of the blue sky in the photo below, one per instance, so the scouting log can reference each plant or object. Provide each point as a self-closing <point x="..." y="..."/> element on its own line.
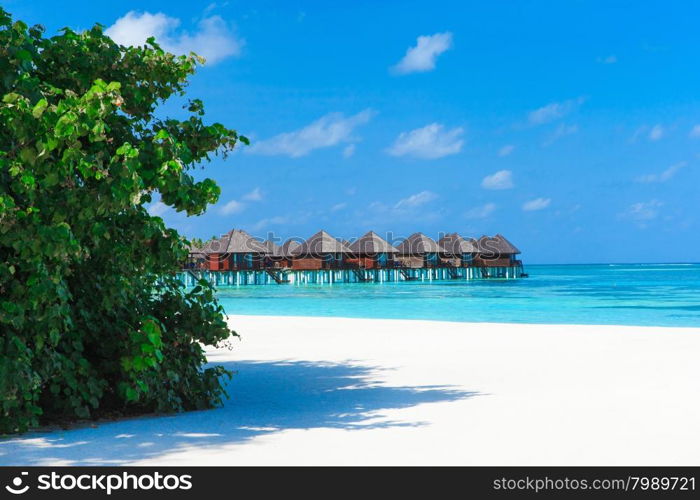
<point x="571" y="127"/>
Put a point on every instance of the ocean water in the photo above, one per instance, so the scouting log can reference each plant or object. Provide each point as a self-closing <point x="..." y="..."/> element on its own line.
<point x="617" y="294"/>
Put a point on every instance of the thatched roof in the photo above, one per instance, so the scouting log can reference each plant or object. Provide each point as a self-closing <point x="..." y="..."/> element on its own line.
<point x="289" y="247"/>
<point x="417" y="244"/>
<point x="454" y="244"/>
<point x="273" y="249"/>
<point x="195" y="252"/>
<point x="321" y="243"/>
<point x="496" y="245"/>
<point x="235" y="241"/>
<point x="372" y="243"/>
<point x="508" y="246"/>
<point x="213" y="246"/>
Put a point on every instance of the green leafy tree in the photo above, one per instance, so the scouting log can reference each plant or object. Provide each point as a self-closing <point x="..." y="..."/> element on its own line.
<point x="92" y="318"/>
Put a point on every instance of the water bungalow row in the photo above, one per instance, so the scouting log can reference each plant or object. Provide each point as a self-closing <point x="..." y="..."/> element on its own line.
<point x="237" y="258"/>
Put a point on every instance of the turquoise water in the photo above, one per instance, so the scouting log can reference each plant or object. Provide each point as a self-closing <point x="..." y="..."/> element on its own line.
<point x="638" y="294"/>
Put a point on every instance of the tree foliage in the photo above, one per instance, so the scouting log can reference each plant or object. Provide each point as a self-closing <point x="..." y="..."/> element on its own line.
<point x="92" y="318"/>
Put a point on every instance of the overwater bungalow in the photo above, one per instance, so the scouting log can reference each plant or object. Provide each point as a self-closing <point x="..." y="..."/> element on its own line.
<point x="320" y="251"/>
<point x="235" y="251"/>
<point x="458" y="251"/>
<point x="372" y="252"/>
<point x="275" y="257"/>
<point x="274" y="250"/>
<point x="496" y="251"/>
<point x="497" y="257"/>
<point x="287" y="251"/>
<point x="237" y="258"/>
<point x="419" y="251"/>
<point x="196" y="259"/>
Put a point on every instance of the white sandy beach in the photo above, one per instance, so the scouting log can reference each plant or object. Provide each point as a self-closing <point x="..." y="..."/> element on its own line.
<point x="385" y="392"/>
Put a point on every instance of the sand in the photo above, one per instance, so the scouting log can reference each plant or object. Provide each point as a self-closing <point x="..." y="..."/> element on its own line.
<point x="391" y="392"/>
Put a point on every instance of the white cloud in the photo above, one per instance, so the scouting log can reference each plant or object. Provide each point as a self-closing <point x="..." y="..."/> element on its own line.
<point x="561" y="131"/>
<point x="232" y="207"/>
<point x="656" y="133"/>
<point x="349" y="151"/>
<point x="416" y="200"/>
<point x="639" y="133"/>
<point x="480" y="212"/>
<point x="422" y="57"/>
<point x="663" y="176"/>
<point x="611" y="59"/>
<point x="339" y="206"/>
<point x="536" y="204"/>
<point x="641" y="213"/>
<point x="209" y="8"/>
<point x="272" y="221"/>
<point x="158" y="209"/>
<point x="695" y="132"/>
<point x="254" y="195"/>
<point x="327" y="131"/>
<point x="429" y="142"/>
<point x="213" y="39"/>
<point x="554" y="111"/>
<point x="235" y="206"/>
<point x="506" y="150"/>
<point x="414" y="208"/>
<point x="135" y="29"/>
<point x="503" y="179"/>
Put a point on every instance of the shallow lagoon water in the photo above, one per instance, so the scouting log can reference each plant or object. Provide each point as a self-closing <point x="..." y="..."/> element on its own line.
<point x="619" y="294"/>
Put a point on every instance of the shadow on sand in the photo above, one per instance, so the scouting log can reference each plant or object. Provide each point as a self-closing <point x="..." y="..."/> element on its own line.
<point x="266" y="397"/>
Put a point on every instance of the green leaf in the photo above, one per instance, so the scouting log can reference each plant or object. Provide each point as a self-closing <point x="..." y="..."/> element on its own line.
<point x="162" y="134"/>
<point x="10" y="98"/>
<point x="51" y="179"/>
<point x="131" y="394"/>
<point x="23" y="55"/>
<point x="39" y="108"/>
<point x="28" y="180"/>
<point x="28" y="155"/>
